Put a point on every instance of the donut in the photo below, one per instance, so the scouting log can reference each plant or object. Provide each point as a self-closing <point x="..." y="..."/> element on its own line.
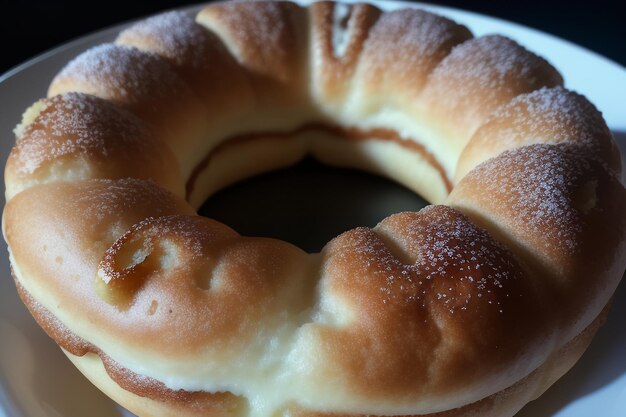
<point x="472" y="306"/>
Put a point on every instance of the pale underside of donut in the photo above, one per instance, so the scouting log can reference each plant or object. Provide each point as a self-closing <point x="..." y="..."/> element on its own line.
<point x="471" y="307"/>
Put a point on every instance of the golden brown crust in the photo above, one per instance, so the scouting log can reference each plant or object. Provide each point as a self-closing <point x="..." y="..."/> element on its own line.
<point x="333" y="65"/>
<point x="199" y="57"/>
<point x="124" y="75"/>
<point x="141" y="82"/>
<point x="500" y="404"/>
<point x="409" y="44"/>
<point x="268" y="38"/>
<point x="84" y="137"/>
<point x="177" y="300"/>
<point x="548" y="115"/>
<point x="437" y="299"/>
<point x="477" y="77"/>
<point x="559" y="207"/>
<point x="449" y="310"/>
<point x="193" y="402"/>
<point x="510" y="400"/>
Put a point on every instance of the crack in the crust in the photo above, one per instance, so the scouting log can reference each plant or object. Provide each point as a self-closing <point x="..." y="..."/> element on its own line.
<point x="394" y="247"/>
<point x="341" y="28"/>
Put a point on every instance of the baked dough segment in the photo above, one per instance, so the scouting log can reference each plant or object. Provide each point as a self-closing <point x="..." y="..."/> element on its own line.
<point x="547" y="115"/>
<point x="424" y="312"/>
<point x="401" y="51"/>
<point x="231" y="294"/>
<point x="200" y="58"/>
<point x="367" y="69"/>
<point x="560" y="209"/>
<point x="70" y="247"/>
<point x="508" y="401"/>
<point x="476" y="78"/>
<point x="140" y="272"/>
<point x="270" y="40"/>
<point x="339" y="33"/>
<point x="143" y="83"/>
<point x="75" y="136"/>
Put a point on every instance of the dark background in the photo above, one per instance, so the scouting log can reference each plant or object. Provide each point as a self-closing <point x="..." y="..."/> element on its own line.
<point x="31" y="27"/>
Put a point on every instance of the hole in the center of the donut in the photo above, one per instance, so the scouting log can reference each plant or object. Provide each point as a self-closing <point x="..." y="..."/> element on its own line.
<point x="309" y="203"/>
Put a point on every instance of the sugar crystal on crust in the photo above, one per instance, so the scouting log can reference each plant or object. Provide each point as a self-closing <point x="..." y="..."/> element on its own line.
<point x="122" y="72"/>
<point x="78" y="124"/>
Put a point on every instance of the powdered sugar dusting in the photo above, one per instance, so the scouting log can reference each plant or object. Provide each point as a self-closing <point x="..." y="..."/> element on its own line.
<point x="410" y="41"/>
<point x="77" y="124"/>
<point x="554" y="113"/>
<point x="174" y="35"/>
<point x="458" y="265"/>
<point x="448" y="263"/>
<point x="121" y="73"/>
<point x="493" y="67"/>
<point x="535" y="190"/>
<point x="107" y="199"/>
<point x="261" y="35"/>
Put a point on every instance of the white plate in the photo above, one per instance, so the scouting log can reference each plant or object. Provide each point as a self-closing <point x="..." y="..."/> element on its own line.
<point x="36" y="380"/>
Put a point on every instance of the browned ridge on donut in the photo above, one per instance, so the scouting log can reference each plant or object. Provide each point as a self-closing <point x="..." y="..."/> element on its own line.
<point x="473" y="306"/>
